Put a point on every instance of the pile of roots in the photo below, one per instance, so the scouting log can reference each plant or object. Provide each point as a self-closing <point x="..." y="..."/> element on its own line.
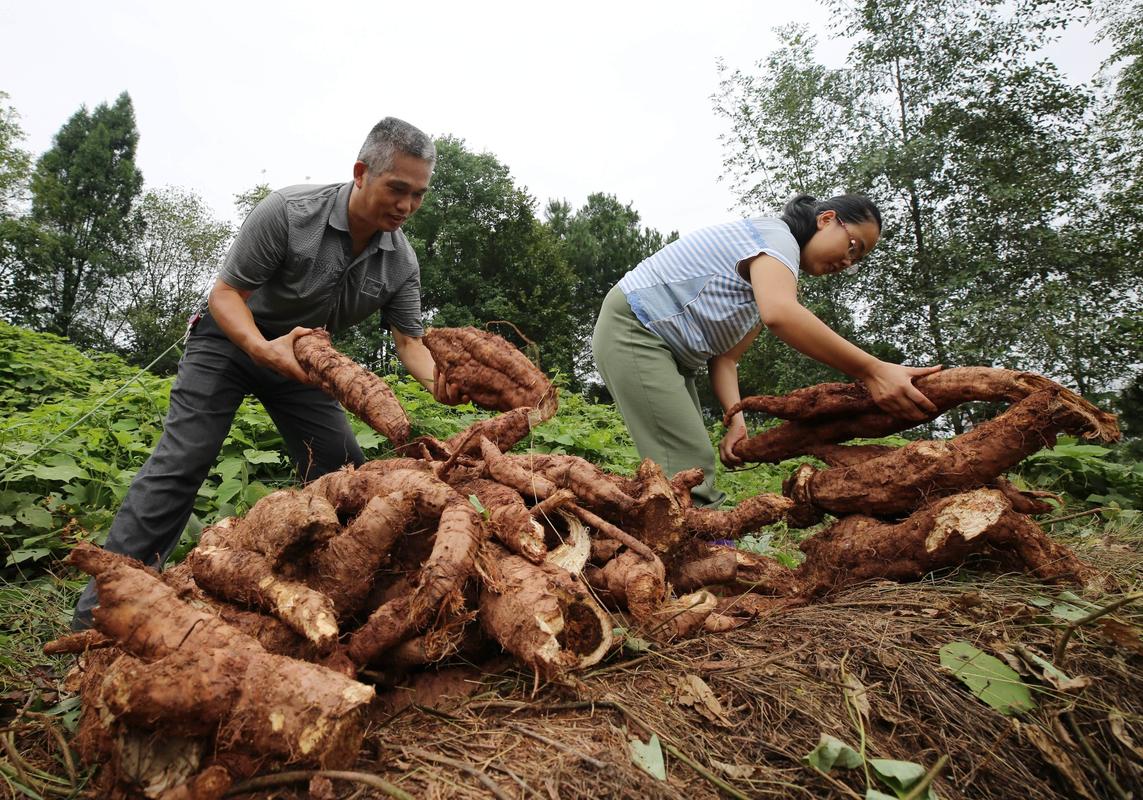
<point x="256" y="649"/>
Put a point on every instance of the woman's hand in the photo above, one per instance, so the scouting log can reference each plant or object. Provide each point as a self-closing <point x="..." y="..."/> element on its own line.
<point x="734" y="434"/>
<point x="892" y="389"/>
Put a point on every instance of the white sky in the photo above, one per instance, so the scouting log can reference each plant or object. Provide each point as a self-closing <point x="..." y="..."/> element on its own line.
<point x="573" y="97"/>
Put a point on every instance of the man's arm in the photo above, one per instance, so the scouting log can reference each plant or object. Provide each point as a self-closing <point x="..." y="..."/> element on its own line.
<point x="229" y="309"/>
<point x="419" y="361"/>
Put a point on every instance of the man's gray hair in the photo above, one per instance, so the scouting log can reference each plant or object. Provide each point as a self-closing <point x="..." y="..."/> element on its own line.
<point x="391" y="136"/>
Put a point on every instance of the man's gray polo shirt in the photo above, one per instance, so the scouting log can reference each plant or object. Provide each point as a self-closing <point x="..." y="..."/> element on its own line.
<point x="295" y="252"/>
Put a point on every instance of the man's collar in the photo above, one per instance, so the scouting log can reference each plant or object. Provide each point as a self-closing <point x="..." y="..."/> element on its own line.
<point x="339" y="218"/>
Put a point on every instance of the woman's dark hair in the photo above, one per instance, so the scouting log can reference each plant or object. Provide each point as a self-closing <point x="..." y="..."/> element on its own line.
<point x="801" y="213"/>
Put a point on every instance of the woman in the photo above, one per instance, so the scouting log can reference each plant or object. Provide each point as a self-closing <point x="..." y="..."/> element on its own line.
<point x="703" y="299"/>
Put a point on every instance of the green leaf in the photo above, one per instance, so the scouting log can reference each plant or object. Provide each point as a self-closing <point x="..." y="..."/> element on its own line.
<point x="228" y="490"/>
<point x="59" y="472"/>
<point x="900" y="776"/>
<point x="261" y="456"/>
<point x="229" y="467"/>
<point x="832" y="752"/>
<point x="988" y="678"/>
<point x="648" y="757"/>
<point x="478" y="505"/>
<point x="877" y="794"/>
<point x="34" y="554"/>
<point x="35" y="517"/>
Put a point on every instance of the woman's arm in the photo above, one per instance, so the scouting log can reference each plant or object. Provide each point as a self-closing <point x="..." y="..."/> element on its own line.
<point x="724" y="382"/>
<point x="891" y="385"/>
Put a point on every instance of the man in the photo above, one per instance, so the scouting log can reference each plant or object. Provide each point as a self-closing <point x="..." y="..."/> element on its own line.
<point x="306" y="257"/>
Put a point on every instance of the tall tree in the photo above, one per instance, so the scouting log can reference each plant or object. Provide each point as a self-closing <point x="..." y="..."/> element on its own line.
<point x="180" y="249"/>
<point x="965" y="136"/>
<point x="15" y="164"/>
<point x="601" y="241"/>
<point x="83" y="189"/>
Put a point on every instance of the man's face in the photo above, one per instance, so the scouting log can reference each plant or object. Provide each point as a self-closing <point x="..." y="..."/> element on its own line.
<point x="388" y="199"/>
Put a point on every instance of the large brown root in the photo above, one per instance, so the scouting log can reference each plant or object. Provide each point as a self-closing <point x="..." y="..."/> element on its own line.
<point x="247" y="577"/>
<point x="837" y="416"/>
<point x="285" y="707"/>
<point x="544" y="617"/>
<point x="452" y="560"/>
<point x="280" y="524"/>
<point x="729" y="566"/>
<point x="343" y="569"/>
<point x="508" y="518"/>
<point x="491" y="371"/>
<point x="356" y="388"/>
<point x="749" y="515"/>
<point x="902" y="480"/>
<point x="944" y="534"/>
<point x="505" y="431"/>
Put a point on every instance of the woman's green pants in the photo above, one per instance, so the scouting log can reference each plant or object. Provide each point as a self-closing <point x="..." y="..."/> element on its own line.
<point x="657" y="399"/>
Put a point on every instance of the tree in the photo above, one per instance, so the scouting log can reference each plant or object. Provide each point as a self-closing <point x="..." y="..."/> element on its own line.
<point x="965" y="137"/>
<point x="81" y="232"/>
<point x="601" y="242"/>
<point x="15" y="165"/>
<point x="181" y="248"/>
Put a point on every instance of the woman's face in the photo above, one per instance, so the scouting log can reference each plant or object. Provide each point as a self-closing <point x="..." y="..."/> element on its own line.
<point x="837" y="245"/>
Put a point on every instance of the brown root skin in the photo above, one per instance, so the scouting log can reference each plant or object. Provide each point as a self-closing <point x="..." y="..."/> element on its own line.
<point x="284" y="707"/>
<point x="248" y="578"/>
<point x="505" y="431"/>
<point x="944" y="534"/>
<point x="359" y="390"/>
<point x="78" y="642"/>
<point x="658" y="519"/>
<point x="544" y="617"/>
<point x="946" y="389"/>
<point x="515" y="474"/>
<point x="681" y="617"/>
<point x="349" y="490"/>
<point x="509" y="520"/>
<point x="683" y="482"/>
<point x="729" y="566"/>
<point x="452" y="560"/>
<point x="493" y="373"/>
<point x="631" y="581"/>
<point x="901" y="481"/>
<point x="343" y="570"/>
<point x="748" y="516"/>
<point x="282" y="523"/>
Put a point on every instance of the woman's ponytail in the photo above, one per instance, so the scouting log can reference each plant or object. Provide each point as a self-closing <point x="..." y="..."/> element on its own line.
<point x="801" y="213"/>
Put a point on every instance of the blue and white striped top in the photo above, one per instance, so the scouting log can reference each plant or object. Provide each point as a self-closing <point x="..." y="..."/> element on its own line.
<point x="691" y="294"/>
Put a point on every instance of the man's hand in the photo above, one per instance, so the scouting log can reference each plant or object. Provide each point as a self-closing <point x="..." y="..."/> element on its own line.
<point x="278" y="355"/>
<point x="892" y="389"/>
<point x="734" y="434"/>
<point x="448" y="393"/>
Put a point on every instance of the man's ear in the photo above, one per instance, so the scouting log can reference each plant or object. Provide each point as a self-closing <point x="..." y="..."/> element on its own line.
<point x="359" y="170"/>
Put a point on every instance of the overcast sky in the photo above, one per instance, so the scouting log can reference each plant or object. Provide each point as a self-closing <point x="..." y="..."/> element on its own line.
<point x="573" y="97"/>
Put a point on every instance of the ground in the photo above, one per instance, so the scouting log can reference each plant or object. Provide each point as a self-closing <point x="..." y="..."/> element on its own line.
<point x="734" y="713"/>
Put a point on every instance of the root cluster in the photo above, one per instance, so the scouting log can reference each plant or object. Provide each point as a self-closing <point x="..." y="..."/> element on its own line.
<point x="257" y="646"/>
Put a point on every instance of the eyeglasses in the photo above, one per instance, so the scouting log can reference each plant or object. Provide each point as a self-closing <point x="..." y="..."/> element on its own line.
<point x="851" y="253"/>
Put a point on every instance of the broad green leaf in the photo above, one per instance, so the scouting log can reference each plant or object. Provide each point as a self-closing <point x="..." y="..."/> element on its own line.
<point x="900" y="776"/>
<point x="987" y="677"/>
<point x="877" y="794"/>
<point x="34" y="554"/>
<point x="261" y="456"/>
<point x="59" y="472"/>
<point x="832" y="752"/>
<point x="1068" y="612"/>
<point x="228" y="490"/>
<point x="229" y="468"/>
<point x="7" y="521"/>
<point x="648" y="757"/>
<point x="35" y="517"/>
